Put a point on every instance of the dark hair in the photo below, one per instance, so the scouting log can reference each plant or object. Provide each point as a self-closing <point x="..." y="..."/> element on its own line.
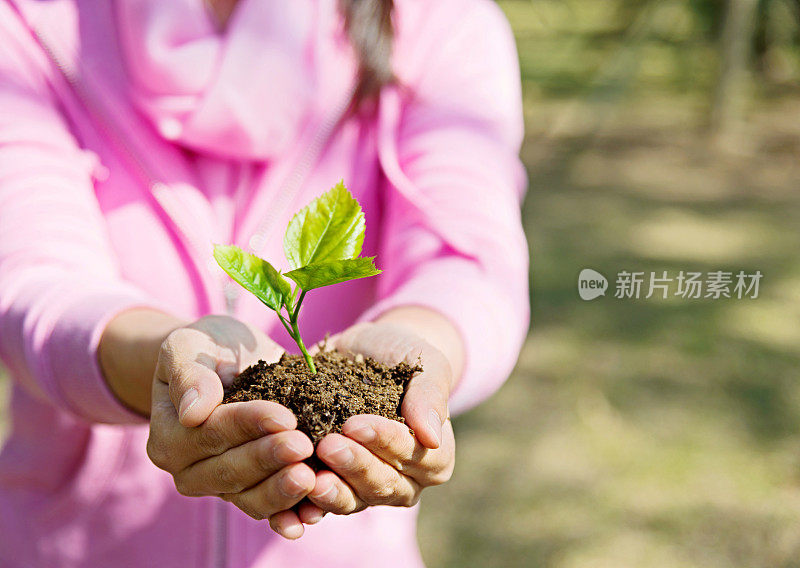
<point x="369" y="27"/>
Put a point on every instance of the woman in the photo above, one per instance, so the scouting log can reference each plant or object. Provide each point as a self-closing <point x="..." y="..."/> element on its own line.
<point x="135" y="133"/>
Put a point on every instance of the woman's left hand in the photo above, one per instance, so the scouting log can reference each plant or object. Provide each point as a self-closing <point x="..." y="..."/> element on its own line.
<point x="379" y="461"/>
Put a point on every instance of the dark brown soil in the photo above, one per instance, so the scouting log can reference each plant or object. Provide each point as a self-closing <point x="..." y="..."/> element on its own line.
<point x="322" y="402"/>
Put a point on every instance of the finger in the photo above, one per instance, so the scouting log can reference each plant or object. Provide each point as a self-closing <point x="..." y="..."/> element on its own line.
<point x="161" y="442"/>
<point x="277" y="493"/>
<point x="244" y="466"/>
<point x="309" y="513"/>
<point x="173" y="447"/>
<point x="196" y="391"/>
<point x="237" y="423"/>
<point x="287" y="524"/>
<point x="235" y="345"/>
<point x="186" y="363"/>
<point x="373" y="480"/>
<point x="333" y="495"/>
<point x="393" y="443"/>
<point x="327" y="343"/>
<point x="389" y="344"/>
<point x="424" y="404"/>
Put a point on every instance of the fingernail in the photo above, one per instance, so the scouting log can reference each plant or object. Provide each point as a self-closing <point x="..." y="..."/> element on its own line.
<point x="286" y="452"/>
<point x="340" y="455"/>
<point x="290" y="488"/>
<point x="314" y="518"/>
<point x="363" y="434"/>
<point x="292" y="532"/>
<point x="188" y="400"/>
<point x="435" y="424"/>
<point x="328" y="495"/>
<point x="273" y="424"/>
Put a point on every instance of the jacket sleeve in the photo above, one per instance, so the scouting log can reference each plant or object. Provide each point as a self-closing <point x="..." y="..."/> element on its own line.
<point x="59" y="284"/>
<point x="453" y="239"/>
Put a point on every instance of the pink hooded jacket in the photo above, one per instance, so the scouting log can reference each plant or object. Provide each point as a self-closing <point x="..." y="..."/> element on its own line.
<point x="132" y="136"/>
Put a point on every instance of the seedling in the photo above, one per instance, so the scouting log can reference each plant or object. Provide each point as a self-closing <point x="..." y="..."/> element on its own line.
<point x="323" y="246"/>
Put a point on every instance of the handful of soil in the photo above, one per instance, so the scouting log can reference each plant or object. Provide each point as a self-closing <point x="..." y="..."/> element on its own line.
<point x="322" y="402"/>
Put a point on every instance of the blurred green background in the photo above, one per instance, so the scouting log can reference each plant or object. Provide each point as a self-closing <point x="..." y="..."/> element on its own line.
<point x="661" y="135"/>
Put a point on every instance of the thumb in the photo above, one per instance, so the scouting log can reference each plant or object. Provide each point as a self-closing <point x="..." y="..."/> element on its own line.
<point x="195" y="391"/>
<point x="195" y="388"/>
<point x="425" y="403"/>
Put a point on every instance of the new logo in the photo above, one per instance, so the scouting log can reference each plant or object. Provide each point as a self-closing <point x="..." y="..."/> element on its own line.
<point x="591" y="284"/>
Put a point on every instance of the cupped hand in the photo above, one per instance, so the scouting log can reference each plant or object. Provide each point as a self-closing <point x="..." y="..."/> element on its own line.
<point x="247" y="453"/>
<point x="378" y="461"/>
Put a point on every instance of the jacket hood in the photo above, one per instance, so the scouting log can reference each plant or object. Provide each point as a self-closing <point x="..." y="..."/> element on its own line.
<point x="241" y="92"/>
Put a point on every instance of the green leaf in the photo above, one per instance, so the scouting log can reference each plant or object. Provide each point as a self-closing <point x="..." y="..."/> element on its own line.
<point x="329" y="228"/>
<point x="254" y="274"/>
<point x="330" y="272"/>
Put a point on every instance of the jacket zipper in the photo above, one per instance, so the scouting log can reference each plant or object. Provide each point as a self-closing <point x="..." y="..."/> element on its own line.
<point x="289" y="189"/>
<point x="287" y="192"/>
<point x="155" y="188"/>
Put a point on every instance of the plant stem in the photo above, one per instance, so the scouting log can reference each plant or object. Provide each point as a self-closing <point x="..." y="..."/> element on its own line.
<point x="296" y="313"/>
<point x="294" y="331"/>
<point x="286" y="326"/>
<point x="302" y="346"/>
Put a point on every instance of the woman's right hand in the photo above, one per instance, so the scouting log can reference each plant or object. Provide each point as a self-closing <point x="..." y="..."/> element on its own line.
<point x="247" y="453"/>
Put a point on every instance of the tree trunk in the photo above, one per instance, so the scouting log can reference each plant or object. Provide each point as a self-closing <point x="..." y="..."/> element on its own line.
<point x="733" y="85"/>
